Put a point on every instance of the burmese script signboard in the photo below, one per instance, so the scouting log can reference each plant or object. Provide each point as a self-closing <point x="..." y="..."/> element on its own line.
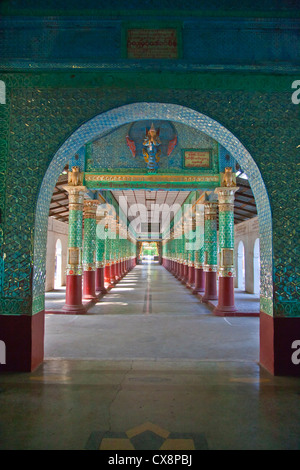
<point x="152" y="43"/>
<point x="197" y="158"/>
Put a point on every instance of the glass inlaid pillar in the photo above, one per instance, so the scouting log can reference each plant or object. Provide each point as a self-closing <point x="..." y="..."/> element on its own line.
<point x="89" y="250"/>
<point x="191" y="255"/>
<point x="100" y="257"/>
<point x="199" y="252"/>
<point x="108" y="248"/>
<point x="226" y="303"/>
<point x="210" y="251"/>
<point x="74" y="262"/>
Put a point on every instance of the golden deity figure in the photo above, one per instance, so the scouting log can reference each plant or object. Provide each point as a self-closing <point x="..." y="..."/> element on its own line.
<point x="151" y="150"/>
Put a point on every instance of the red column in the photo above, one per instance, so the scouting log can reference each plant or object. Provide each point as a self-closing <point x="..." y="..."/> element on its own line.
<point x="185" y="273"/>
<point x="89" y="285"/>
<point x="226" y="304"/>
<point x="74" y="295"/>
<point x="210" y="286"/>
<point x="112" y="273"/>
<point x="199" y="280"/>
<point x="107" y="274"/>
<point x="100" y="288"/>
<point x="191" y="276"/>
<point x="73" y="303"/>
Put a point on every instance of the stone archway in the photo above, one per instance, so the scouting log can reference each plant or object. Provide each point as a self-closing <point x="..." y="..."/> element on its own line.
<point x="116" y="117"/>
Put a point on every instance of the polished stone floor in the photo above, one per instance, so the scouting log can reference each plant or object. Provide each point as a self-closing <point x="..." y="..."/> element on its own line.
<point x="149" y="367"/>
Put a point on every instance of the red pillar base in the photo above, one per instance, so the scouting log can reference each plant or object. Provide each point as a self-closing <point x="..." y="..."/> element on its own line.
<point x="199" y="281"/>
<point x="184" y="280"/>
<point x="107" y="277"/>
<point x="23" y="336"/>
<point x="89" y="285"/>
<point x="226" y="304"/>
<point x="73" y="303"/>
<point x="278" y="354"/>
<point x="210" y="292"/>
<point x="113" y="278"/>
<point x="191" y="277"/>
<point x="100" y="289"/>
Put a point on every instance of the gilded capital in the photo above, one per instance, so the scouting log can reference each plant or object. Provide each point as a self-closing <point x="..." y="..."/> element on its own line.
<point x="226" y="195"/>
<point x="90" y="208"/>
<point x="76" y="196"/>
<point x="210" y="210"/>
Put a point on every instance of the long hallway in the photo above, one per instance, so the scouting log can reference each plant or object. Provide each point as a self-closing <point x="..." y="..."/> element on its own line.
<point x="151" y="315"/>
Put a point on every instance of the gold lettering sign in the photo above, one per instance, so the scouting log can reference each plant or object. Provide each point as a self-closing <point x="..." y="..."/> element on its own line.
<point x="197" y="158"/>
<point x="74" y="256"/>
<point x="227" y="257"/>
<point x="152" y="44"/>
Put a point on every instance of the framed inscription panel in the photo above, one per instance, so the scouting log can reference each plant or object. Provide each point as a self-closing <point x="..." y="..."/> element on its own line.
<point x="74" y="256"/>
<point x="226" y="257"/>
<point x="152" y="43"/>
<point x="197" y="158"/>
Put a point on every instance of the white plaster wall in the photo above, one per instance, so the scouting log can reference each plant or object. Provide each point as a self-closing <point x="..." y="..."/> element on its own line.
<point x="247" y="232"/>
<point x="56" y="230"/>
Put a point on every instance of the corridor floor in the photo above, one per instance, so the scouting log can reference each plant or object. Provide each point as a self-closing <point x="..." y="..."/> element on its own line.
<point x="149" y="367"/>
<point x="150" y="315"/>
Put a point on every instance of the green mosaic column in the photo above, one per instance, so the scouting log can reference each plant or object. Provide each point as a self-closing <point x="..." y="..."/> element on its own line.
<point x="199" y="252"/>
<point x="108" y="249"/>
<point x="181" y="253"/>
<point x="89" y="250"/>
<point x="226" y="242"/>
<point x="100" y="256"/>
<point x="185" y="260"/>
<point x="210" y="266"/>
<point x="74" y="263"/>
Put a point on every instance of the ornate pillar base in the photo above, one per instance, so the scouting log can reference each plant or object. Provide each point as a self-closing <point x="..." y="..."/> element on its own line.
<point x="226" y="297"/>
<point x="89" y="285"/>
<point x="210" y="292"/>
<point x="100" y="288"/>
<point x="199" y="281"/>
<point x="73" y="303"/>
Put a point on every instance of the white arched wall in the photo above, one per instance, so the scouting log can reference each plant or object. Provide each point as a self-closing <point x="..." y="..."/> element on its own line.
<point x="116" y="117"/>
<point x="241" y="265"/>
<point x="56" y="231"/>
<point x="246" y="232"/>
<point x="256" y="266"/>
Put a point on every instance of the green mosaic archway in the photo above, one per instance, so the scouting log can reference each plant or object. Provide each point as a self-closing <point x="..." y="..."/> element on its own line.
<point x="118" y="116"/>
